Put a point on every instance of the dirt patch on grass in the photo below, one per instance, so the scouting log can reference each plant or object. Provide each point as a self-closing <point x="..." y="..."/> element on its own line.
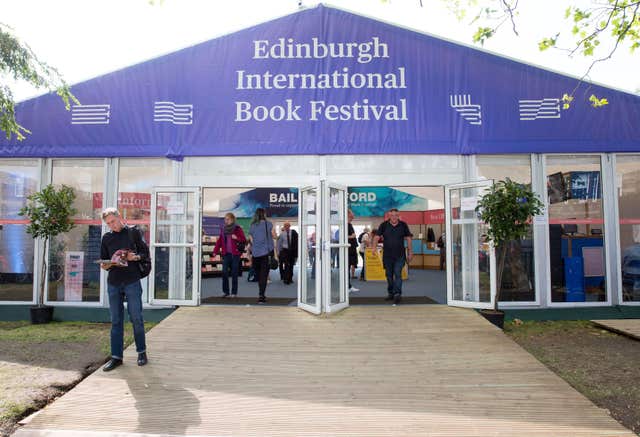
<point x="39" y="363"/>
<point x="603" y="366"/>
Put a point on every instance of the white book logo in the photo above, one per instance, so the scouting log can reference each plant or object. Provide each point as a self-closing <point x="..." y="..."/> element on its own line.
<point x="90" y="114"/>
<point x="462" y="104"/>
<point x="172" y="113"/>
<point x="535" y="109"/>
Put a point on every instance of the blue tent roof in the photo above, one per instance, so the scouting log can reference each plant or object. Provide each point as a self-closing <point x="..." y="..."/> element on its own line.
<point x="326" y="81"/>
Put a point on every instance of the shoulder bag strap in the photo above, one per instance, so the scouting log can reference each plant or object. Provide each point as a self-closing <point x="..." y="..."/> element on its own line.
<point x="131" y="240"/>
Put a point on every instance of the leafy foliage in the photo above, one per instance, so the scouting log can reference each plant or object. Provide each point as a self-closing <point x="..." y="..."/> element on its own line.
<point x="18" y="62"/>
<point x="507" y="207"/>
<point x="50" y="213"/>
<point x="599" y="28"/>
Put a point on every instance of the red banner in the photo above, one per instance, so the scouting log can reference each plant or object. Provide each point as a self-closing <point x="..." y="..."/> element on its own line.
<point x="126" y="200"/>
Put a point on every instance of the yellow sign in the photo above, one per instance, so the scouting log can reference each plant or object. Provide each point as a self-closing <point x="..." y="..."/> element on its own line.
<point x="374" y="270"/>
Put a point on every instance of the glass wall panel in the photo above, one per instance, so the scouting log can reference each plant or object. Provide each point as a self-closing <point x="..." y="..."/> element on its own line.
<point x="136" y="179"/>
<point x="576" y="229"/>
<point x="628" y="188"/>
<point x="73" y="274"/>
<point x="518" y="277"/>
<point x="18" y="180"/>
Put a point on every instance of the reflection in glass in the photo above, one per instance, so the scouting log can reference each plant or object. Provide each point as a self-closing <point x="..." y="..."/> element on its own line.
<point x="576" y="229"/>
<point x="177" y="283"/>
<point x="16" y="263"/>
<point x="518" y="277"/>
<point x="174" y="220"/>
<point x="308" y="259"/>
<point x="339" y="260"/>
<point x="471" y="253"/>
<point x="73" y="276"/>
<point x="628" y="171"/>
<point x="18" y="180"/>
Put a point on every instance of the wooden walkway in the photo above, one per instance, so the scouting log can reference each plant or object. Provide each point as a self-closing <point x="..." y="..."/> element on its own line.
<point x="368" y="371"/>
<point x="628" y="327"/>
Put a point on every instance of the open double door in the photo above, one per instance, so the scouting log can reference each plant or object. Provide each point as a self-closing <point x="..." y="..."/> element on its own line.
<point x="323" y="249"/>
<point x="323" y="258"/>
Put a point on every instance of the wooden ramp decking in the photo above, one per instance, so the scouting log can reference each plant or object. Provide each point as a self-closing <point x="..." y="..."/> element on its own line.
<point x="368" y="371"/>
<point x="628" y="327"/>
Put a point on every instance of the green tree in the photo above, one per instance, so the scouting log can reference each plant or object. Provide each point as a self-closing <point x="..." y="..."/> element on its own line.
<point x="50" y="213"/>
<point x="507" y="207"/>
<point x="19" y="62"/>
<point x="597" y="28"/>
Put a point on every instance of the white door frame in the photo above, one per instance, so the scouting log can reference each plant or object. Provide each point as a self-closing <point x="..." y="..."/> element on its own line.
<point x="195" y="245"/>
<point x="303" y="250"/>
<point x="471" y="263"/>
<point x="341" y="245"/>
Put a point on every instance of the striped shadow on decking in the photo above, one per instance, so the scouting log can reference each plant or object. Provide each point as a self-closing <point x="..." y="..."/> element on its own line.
<point x="368" y="371"/>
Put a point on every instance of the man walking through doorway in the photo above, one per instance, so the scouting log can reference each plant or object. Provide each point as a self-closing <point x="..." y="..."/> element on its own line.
<point x="119" y="245"/>
<point x="394" y="233"/>
<point x="287" y="252"/>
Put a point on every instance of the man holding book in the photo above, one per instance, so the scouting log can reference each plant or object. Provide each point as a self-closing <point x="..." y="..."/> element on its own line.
<point x="120" y="258"/>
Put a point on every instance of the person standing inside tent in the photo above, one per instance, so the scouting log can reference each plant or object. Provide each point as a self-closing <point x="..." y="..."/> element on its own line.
<point x="443" y="250"/>
<point x="394" y="233"/>
<point x="262" y="236"/>
<point x="287" y="252"/>
<point x="352" y="239"/>
<point x="363" y="239"/>
<point x="230" y="245"/>
<point x="123" y="282"/>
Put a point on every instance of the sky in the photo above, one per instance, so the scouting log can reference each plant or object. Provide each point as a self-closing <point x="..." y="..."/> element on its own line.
<point x="86" y="38"/>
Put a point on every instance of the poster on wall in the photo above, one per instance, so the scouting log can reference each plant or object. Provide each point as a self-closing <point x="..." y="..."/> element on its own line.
<point x="277" y="202"/>
<point x="375" y="201"/>
<point x="212" y="225"/>
<point x="73" y="272"/>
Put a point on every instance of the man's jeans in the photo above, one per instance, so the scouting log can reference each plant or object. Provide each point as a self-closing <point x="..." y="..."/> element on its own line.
<point x="393" y="269"/>
<point x="133" y="293"/>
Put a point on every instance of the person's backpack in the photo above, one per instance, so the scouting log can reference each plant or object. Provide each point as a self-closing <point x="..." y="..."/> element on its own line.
<point x="140" y="247"/>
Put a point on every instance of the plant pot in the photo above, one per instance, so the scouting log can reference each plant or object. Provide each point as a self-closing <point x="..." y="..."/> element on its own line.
<point x="41" y="314"/>
<point x="495" y="317"/>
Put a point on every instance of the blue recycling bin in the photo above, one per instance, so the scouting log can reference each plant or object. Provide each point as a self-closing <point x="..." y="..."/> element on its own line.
<point x="574" y="278"/>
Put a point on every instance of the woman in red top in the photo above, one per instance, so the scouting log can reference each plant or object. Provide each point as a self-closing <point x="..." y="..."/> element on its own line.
<point x="231" y="236"/>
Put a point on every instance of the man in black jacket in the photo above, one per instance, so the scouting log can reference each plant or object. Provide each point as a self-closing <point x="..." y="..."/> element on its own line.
<point x="287" y="252"/>
<point x="119" y="245"/>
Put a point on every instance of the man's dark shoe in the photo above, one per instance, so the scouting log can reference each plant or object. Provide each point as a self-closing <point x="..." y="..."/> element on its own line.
<point x="397" y="298"/>
<point x="112" y="364"/>
<point x="389" y="297"/>
<point x="142" y="359"/>
<point x="262" y="300"/>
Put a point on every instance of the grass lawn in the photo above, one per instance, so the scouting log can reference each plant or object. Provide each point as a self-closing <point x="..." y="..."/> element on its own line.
<point x="38" y="363"/>
<point x="603" y="366"/>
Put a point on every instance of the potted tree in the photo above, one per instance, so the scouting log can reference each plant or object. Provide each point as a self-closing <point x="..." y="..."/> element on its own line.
<point x="507" y="207"/>
<point x="50" y="213"/>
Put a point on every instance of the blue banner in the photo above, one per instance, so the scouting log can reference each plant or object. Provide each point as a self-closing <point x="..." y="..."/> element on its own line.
<point x="376" y="201"/>
<point x="325" y="81"/>
<point x="277" y="202"/>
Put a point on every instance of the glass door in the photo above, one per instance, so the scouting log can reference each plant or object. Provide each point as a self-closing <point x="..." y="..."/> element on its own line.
<point x="335" y="260"/>
<point x="471" y="269"/>
<point x="175" y="243"/>
<point x="309" y="285"/>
